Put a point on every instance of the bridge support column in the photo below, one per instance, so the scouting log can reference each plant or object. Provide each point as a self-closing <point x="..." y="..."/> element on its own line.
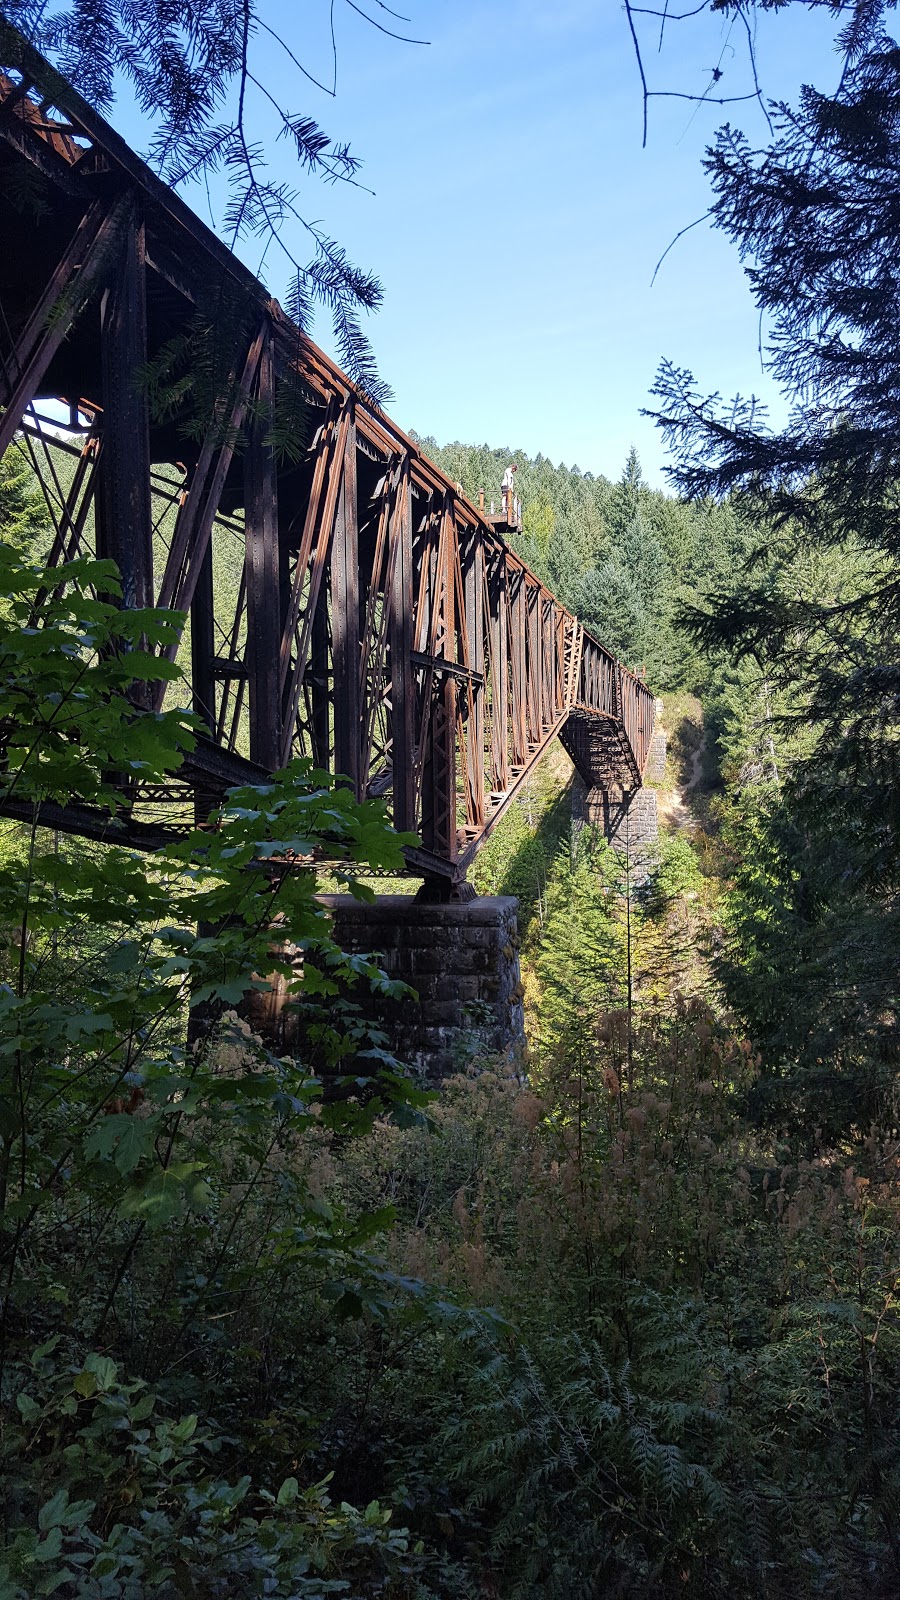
<point x="461" y="957"/>
<point x="627" y="819"/>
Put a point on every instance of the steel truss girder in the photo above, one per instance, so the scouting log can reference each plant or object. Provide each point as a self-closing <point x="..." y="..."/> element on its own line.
<point x="346" y="601"/>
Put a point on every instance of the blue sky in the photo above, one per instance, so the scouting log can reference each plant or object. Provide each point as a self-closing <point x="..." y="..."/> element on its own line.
<point x="516" y="220"/>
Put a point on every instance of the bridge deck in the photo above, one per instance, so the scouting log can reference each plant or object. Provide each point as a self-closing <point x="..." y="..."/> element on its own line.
<point x="345" y="600"/>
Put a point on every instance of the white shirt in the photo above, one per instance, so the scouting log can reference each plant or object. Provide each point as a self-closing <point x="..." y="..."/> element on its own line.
<point x="509" y="480"/>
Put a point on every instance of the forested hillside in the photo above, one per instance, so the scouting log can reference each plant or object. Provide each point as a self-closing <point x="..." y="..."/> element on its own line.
<point x="620" y="555"/>
<point x="784" y="638"/>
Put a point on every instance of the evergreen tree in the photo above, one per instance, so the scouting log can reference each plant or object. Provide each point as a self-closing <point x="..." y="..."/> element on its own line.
<point x="611" y="605"/>
<point x="564" y="567"/>
<point x="580" y="964"/>
<point x="819" y="214"/>
<point x="538" y="522"/>
<point x="628" y="495"/>
<point x="627" y="600"/>
<point x="815" y="610"/>
<point x="620" y="556"/>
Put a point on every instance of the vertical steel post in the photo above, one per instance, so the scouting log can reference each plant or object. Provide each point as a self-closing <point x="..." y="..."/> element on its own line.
<point x="203" y="644"/>
<point x="345" y="640"/>
<point x="444" y="741"/>
<point x="203" y="682"/>
<point x="474" y="587"/>
<point x="124" y="517"/>
<point x="439" y="763"/>
<point x="319" y="683"/>
<point x="534" y="660"/>
<point x="498" y="601"/>
<point x="517" y="629"/>
<point x="403" y="733"/>
<point x="261" y="566"/>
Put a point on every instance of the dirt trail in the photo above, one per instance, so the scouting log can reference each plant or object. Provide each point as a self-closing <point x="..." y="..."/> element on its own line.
<point x="673" y="805"/>
<point x="696" y="764"/>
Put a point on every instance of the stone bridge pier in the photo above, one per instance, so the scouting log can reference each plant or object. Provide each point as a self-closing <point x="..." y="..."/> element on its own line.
<point x="461" y="958"/>
<point x="626" y="818"/>
<point x="624" y="812"/>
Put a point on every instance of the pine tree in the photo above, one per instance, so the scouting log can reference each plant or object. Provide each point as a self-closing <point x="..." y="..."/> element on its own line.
<point x="629" y="493"/>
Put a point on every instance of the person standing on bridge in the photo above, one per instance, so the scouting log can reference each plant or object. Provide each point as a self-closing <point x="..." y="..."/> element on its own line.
<point x="508" y="489"/>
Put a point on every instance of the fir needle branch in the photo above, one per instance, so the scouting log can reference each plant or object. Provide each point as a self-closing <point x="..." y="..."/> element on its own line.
<point x="322" y="160"/>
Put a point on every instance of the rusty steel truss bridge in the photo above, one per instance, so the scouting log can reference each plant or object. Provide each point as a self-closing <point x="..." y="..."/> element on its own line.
<point x="346" y="601"/>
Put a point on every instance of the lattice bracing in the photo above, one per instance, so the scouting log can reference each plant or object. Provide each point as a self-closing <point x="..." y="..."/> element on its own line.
<point x="343" y="599"/>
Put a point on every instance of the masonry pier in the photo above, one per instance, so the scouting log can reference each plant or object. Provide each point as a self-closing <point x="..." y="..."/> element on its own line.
<point x="463" y="961"/>
<point x="626" y="818"/>
<point x="625" y="814"/>
<point x="461" y="958"/>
